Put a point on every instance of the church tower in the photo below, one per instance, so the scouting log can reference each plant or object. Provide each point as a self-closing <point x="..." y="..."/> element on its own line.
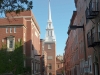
<point x="50" y="46"/>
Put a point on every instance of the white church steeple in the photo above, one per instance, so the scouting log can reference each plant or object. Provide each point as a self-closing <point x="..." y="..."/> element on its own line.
<point x="50" y="20"/>
<point x="50" y="36"/>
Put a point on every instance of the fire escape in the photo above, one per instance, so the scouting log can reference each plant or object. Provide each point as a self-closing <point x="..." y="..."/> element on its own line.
<point x="93" y="37"/>
<point x="93" y="10"/>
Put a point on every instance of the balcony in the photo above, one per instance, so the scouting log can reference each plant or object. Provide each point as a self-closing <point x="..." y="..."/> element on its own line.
<point x="93" y="10"/>
<point x="94" y="39"/>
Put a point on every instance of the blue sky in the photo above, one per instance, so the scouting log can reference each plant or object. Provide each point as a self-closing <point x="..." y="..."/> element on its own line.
<point x="61" y="12"/>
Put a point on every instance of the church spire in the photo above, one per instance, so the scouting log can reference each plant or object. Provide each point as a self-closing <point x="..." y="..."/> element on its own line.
<point x="50" y="36"/>
<point x="50" y="20"/>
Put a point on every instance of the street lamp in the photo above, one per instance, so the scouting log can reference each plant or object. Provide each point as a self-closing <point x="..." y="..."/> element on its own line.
<point x="73" y="27"/>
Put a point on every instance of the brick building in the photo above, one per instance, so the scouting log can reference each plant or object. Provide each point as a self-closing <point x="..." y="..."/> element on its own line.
<point x="44" y="58"/>
<point x="82" y="55"/>
<point x="22" y="27"/>
<point x="59" y="65"/>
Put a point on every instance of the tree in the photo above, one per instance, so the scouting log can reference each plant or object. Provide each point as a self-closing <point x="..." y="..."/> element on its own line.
<point x="12" y="62"/>
<point x="15" y="5"/>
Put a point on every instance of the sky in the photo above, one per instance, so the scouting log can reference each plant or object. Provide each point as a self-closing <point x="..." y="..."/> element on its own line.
<point x="61" y="12"/>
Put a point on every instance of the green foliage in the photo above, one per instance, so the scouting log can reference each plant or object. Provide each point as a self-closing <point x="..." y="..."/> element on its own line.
<point x="15" y="5"/>
<point x="12" y="61"/>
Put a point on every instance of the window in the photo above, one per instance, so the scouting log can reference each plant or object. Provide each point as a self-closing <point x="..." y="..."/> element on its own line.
<point x="87" y="13"/>
<point x="49" y="66"/>
<point x="99" y="31"/>
<point x="93" y="34"/>
<point x="90" y="64"/>
<point x="51" y="33"/>
<point x="10" y="30"/>
<point x="10" y="43"/>
<point x="14" y="29"/>
<point x="89" y="38"/>
<point x="6" y="30"/>
<point x="50" y="73"/>
<point x="58" y="65"/>
<point x="25" y="36"/>
<point x="49" y="25"/>
<point x="48" y="33"/>
<point x="2" y="40"/>
<point x="49" y="57"/>
<point x="36" y="34"/>
<point x="49" y="46"/>
<point x="82" y="66"/>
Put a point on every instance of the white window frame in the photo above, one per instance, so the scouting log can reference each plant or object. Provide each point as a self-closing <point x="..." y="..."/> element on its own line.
<point x="8" y="42"/>
<point x="10" y="29"/>
<point x="14" y="29"/>
<point x="36" y="34"/>
<point x="25" y="37"/>
<point x="50" y="57"/>
<point x="49" y="66"/>
<point x="49" y="46"/>
<point x="7" y="30"/>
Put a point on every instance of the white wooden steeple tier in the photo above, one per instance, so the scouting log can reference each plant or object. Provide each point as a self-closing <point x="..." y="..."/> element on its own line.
<point x="50" y="36"/>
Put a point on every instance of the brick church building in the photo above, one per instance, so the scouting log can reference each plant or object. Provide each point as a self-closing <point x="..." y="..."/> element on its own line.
<point x="49" y="47"/>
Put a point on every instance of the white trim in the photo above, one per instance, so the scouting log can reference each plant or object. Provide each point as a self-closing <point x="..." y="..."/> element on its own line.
<point x="50" y="57"/>
<point x="8" y="39"/>
<point x="10" y="29"/>
<point x="34" y="26"/>
<point x="36" y="34"/>
<point x="2" y="40"/>
<point x="21" y="17"/>
<point x="14" y="29"/>
<point x="49" y="46"/>
<point x="6" y="29"/>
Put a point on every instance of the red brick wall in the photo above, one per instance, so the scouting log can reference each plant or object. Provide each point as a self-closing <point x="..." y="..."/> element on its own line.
<point x="51" y="52"/>
<point x="24" y="23"/>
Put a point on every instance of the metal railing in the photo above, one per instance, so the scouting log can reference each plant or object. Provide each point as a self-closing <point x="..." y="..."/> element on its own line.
<point x="93" y="6"/>
<point x="93" y="38"/>
<point x="93" y="10"/>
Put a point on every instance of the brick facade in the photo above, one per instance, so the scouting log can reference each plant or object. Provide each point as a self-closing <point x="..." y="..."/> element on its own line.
<point x="59" y="65"/>
<point x="83" y="44"/>
<point x="51" y="57"/>
<point x="27" y="30"/>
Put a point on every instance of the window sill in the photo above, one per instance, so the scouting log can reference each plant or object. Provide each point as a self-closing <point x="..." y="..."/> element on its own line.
<point x="10" y="49"/>
<point x="49" y="48"/>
